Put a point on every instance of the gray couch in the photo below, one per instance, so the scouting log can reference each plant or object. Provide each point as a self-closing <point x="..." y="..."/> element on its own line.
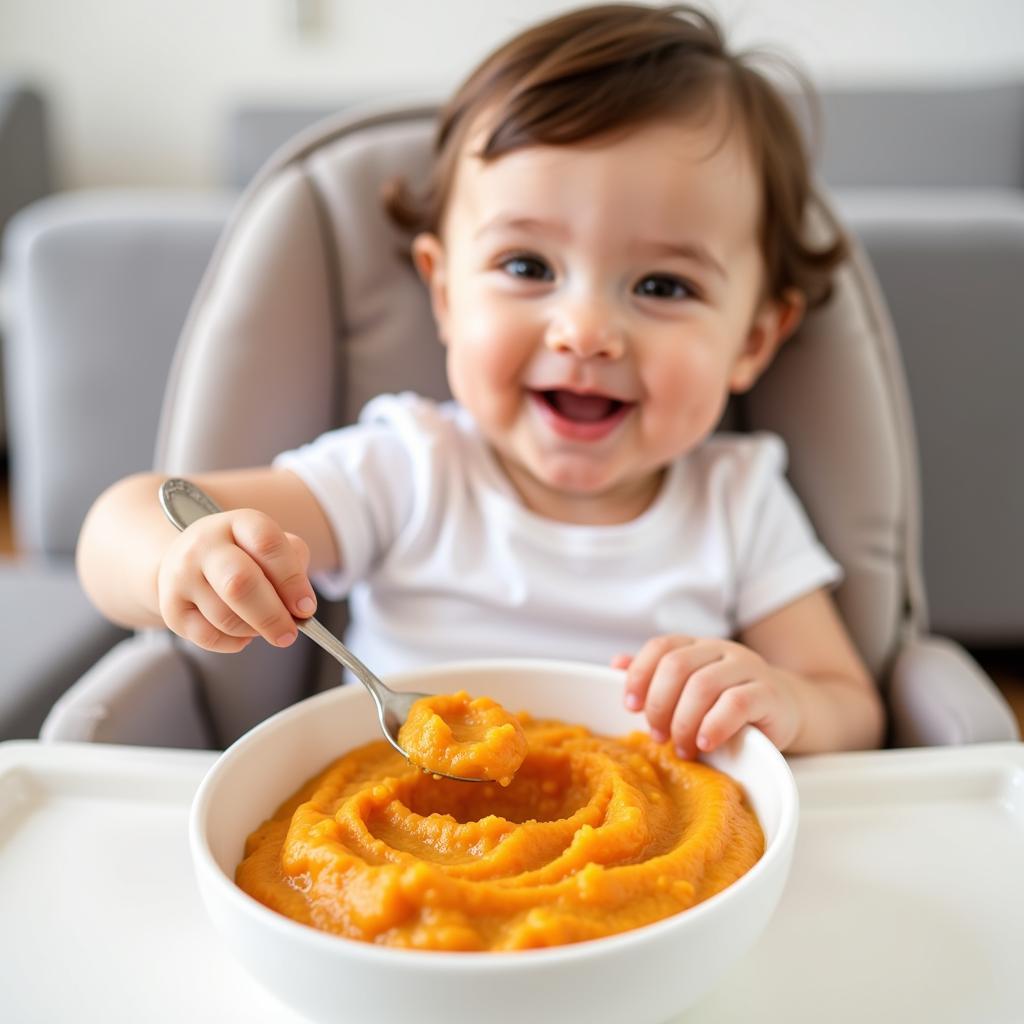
<point x="26" y="168"/>
<point x="102" y="284"/>
<point x="932" y="181"/>
<point x="97" y="288"/>
<point x="49" y="631"/>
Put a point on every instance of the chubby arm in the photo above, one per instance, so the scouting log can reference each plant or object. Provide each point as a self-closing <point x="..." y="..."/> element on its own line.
<point x="227" y="577"/>
<point x="794" y="674"/>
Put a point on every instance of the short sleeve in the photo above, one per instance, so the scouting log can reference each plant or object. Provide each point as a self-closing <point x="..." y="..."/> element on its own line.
<point x="778" y="556"/>
<point x="363" y="478"/>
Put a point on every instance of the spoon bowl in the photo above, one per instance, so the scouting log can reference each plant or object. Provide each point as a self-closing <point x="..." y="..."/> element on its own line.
<point x="183" y="503"/>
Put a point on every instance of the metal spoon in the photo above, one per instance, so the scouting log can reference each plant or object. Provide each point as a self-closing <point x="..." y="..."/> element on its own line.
<point x="183" y="503"/>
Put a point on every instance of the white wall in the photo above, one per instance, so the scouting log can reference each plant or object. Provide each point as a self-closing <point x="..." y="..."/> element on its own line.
<point x="139" y="89"/>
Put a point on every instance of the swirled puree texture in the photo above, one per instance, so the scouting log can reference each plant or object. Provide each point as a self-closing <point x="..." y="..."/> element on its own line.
<point x="593" y="836"/>
<point x="470" y="737"/>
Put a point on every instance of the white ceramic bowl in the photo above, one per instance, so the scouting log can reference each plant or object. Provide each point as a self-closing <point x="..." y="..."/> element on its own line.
<point x="644" y="976"/>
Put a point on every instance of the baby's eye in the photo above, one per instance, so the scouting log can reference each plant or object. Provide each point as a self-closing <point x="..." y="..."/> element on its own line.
<point x="532" y="268"/>
<point x="664" y="286"/>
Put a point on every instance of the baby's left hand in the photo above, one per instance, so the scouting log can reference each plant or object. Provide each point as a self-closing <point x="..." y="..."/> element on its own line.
<point x="700" y="692"/>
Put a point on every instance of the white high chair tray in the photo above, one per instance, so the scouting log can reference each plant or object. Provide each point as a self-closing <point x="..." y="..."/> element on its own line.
<point x="905" y="901"/>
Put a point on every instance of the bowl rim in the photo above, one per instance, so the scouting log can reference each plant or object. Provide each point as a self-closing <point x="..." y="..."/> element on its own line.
<point x="314" y="939"/>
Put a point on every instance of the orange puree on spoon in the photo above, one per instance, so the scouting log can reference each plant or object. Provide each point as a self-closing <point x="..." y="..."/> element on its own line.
<point x="472" y="737"/>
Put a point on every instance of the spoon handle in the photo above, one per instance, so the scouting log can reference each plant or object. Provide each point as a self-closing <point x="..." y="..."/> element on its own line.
<point x="183" y="503"/>
<point x="319" y="634"/>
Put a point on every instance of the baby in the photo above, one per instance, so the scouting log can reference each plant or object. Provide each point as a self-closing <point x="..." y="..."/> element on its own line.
<point x="612" y="245"/>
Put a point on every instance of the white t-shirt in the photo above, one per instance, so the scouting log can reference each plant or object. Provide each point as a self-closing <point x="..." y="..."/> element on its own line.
<point x="442" y="561"/>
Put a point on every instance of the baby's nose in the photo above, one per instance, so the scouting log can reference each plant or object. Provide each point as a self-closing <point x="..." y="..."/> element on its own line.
<point x="585" y="332"/>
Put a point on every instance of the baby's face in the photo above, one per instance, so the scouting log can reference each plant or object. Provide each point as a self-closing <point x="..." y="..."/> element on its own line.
<point x="599" y="302"/>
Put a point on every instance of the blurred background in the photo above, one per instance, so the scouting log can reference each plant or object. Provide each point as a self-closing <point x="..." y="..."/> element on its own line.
<point x="128" y="127"/>
<point x="141" y="92"/>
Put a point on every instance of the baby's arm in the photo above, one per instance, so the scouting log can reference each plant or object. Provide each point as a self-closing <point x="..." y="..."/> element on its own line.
<point x="226" y="578"/>
<point x="794" y="674"/>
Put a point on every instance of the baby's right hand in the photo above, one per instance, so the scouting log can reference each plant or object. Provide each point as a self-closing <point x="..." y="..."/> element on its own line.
<point x="232" y="576"/>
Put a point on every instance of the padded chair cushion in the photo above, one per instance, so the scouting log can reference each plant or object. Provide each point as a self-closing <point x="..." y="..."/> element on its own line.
<point x="142" y="693"/>
<point x="309" y="309"/>
<point x="837" y="395"/>
<point x="940" y="695"/>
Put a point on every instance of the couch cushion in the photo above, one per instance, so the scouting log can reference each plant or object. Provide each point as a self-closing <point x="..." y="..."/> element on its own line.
<point x="100" y="284"/>
<point x="924" y="137"/>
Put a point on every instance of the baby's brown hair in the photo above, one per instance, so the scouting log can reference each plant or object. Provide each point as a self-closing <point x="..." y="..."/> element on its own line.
<point x="611" y="67"/>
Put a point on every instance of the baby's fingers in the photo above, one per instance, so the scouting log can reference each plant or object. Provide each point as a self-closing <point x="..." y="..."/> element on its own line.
<point x="283" y="558"/>
<point x="737" y="706"/>
<point x="640" y="670"/>
<point x="219" y="615"/>
<point x="683" y="687"/>
<point x="185" y="619"/>
<point x="243" y="587"/>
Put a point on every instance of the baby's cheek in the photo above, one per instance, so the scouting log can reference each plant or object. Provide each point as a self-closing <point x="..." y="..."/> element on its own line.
<point x="482" y="384"/>
<point x="685" y="399"/>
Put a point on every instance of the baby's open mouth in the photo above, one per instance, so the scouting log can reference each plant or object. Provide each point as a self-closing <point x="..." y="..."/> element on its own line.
<point x="581" y="408"/>
<point x="580" y="417"/>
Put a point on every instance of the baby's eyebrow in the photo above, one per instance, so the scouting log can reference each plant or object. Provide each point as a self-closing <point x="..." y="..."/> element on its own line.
<point x="517" y="222"/>
<point x="694" y="251"/>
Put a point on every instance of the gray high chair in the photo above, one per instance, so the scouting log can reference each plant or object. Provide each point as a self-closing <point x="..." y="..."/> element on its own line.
<point x="308" y="310"/>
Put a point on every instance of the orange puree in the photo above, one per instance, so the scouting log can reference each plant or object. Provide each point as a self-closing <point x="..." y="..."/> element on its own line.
<point x="473" y="738"/>
<point x="593" y="836"/>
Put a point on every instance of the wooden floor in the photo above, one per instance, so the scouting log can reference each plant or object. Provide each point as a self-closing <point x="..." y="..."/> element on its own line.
<point x="1006" y="667"/>
<point x="6" y="531"/>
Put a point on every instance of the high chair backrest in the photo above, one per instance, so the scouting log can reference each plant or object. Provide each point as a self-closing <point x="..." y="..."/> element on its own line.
<point x="309" y="309"/>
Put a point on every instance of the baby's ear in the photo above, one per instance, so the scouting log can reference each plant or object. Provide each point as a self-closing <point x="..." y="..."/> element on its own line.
<point x="429" y="257"/>
<point x="773" y="323"/>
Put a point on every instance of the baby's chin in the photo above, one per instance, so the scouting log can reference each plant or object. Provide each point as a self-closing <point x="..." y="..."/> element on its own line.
<point x="566" y="489"/>
<point x="568" y="478"/>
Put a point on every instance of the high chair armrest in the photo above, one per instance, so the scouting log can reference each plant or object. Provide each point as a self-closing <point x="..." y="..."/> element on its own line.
<point x="939" y="696"/>
<point x="142" y="693"/>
